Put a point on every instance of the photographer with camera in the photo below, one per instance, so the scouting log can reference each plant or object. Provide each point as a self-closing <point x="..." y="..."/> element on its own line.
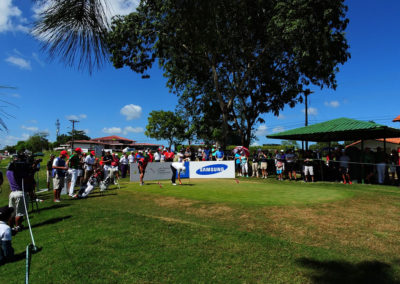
<point x="20" y="175"/>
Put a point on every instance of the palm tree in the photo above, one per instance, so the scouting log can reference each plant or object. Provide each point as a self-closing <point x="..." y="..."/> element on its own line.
<point x="3" y="113"/>
<point x="74" y="31"/>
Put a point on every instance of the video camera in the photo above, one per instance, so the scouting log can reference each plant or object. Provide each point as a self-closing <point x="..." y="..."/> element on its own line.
<point x="24" y="164"/>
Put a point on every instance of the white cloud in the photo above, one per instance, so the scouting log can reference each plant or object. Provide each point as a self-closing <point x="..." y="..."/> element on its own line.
<point x="333" y="104"/>
<point x="122" y="7"/>
<point x="278" y="129"/>
<point x="87" y="131"/>
<point x="10" y="17"/>
<point x="76" y="117"/>
<point x="261" y="130"/>
<point x="129" y="129"/>
<point x="131" y="111"/>
<point x="281" y="116"/>
<point x="15" y="96"/>
<point x="12" y="140"/>
<point x="311" y="111"/>
<point x="20" y="62"/>
<point x="255" y="144"/>
<point x="30" y="128"/>
<point x="37" y="59"/>
<point x="112" y="130"/>
<point x="33" y="121"/>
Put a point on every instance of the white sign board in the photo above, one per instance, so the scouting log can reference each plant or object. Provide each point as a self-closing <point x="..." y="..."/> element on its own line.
<point x="212" y="169"/>
<point x="154" y="171"/>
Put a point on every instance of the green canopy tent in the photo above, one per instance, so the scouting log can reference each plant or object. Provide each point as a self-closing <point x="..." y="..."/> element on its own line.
<point x="340" y="129"/>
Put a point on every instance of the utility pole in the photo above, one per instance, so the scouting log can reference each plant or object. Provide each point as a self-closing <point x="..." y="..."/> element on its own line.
<point x="306" y="93"/>
<point x="73" y="121"/>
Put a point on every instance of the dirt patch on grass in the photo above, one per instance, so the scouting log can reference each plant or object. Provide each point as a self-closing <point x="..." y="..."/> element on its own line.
<point x="173" y="202"/>
<point x="220" y="211"/>
<point x="371" y="223"/>
<point x="174" y="220"/>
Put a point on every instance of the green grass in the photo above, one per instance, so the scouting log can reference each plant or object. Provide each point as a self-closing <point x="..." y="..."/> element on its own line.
<point x="216" y="231"/>
<point x="251" y="193"/>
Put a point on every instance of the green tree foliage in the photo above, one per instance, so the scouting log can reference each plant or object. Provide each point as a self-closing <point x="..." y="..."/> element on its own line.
<point x="166" y="125"/>
<point x="74" y="31"/>
<point x="21" y="146"/>
<point x="10" y="149"/>
<point x="65" y="138"/>
<point x="253" y="57"/>
<point x="78" y="135"/>
<point x="290" y="144"/>
<point x="37" y="143"/>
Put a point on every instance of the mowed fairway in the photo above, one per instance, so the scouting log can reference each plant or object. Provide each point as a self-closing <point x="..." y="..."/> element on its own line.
<point x="216" y="231"/>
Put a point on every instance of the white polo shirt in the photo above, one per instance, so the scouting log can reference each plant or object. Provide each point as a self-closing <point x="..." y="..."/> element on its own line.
<point x="89" y="161"/>
<point x="178" y="166"/>
<point x="5" y="232"/>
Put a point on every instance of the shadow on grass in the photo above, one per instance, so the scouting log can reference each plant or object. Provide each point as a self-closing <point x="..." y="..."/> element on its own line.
<point x="97" y="194"/>
<point x="54" y="206"/>
<point x="330" y="272"/>
<point x="51" y="221"/>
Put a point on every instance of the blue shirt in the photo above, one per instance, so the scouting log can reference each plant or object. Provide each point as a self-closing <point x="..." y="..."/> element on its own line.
<point x="219" y="154"/>
<point x="237" y="158"/>
<point x="207" y="153"/>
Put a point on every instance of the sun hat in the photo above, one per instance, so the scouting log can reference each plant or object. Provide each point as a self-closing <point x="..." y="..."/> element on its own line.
<point x="64" y="153"/>
<point x="78" y="150"/>
<point x="93" y="153"/>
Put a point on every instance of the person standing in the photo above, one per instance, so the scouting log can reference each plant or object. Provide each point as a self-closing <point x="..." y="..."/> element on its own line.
<point x="291" y="161"/>
<point x="157" y="156"/>
<point x="73" y="165"/>
<point x="169" y="155"/>
<point x="244" y="164"/>
<point x="206" y="154"/>
<point x="59" y="170"/>
<point x="49" y="170"/>
<point x="219" y="155"/>
<point x="254" y="165"/>
<point x="308" y="167"/>
<point x="199" y="155"/>
<point x="124" y="162"/>
<point x="107" y="160"/>
<point x="344" y="167"/>
<point x="188" y="154"/>
<point x="88" y="166"/>
<point x="16" y="173"/>
<point x="380" y="159"/>
<point x="237" y="164"/>
<point x="264" y="164"/>
<point x="142" y="159"/>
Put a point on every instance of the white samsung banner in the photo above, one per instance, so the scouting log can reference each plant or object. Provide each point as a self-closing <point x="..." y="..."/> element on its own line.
<point x="212" y="169"/>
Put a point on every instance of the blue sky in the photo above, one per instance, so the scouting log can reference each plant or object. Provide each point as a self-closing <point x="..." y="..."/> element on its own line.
<point x="112" y="101"/>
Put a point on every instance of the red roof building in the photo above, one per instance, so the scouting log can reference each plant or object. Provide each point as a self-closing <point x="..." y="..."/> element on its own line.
<point x="114" y="143"/>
